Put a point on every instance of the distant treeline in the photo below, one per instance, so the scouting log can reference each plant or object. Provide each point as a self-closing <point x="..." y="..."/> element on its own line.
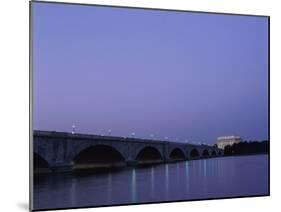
<point x="246" y="148"/>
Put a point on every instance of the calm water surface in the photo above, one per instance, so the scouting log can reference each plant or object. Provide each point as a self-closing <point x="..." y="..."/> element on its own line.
<point x="199" y="179"/>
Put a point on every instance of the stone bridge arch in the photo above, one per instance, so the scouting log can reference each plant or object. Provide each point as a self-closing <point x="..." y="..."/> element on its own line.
<point x="81" y="146"/>
<point x="205" y="153"/>
<point x="220" y="152"/>
<point x="44" y="153"/>
<point x="214" y="153"/>
<point x="177" y="154"/>
<point x="194" y="153"/>
<point x="40" y="163"/>
<point x="98" y="156"/>
<point x="149" y="153"/>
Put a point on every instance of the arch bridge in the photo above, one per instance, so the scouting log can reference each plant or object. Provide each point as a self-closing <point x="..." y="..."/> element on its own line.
<point x="58" y="151"/>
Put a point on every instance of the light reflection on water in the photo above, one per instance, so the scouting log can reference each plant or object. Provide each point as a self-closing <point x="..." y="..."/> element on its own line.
<point x="152" y="183"/>
<point x="109" y="187"/>
<point x="134" y="184"/>
<point x="167" y="181"/>
<point x="199" y="179"/>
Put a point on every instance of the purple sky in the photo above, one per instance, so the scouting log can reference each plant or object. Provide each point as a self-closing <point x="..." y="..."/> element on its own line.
<point x="187" y="76"/>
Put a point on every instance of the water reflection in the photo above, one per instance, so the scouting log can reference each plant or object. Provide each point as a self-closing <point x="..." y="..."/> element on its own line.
<point x="133" y="185"/>
<point x="205" y="168"/>
<point x="167" y="181"/>
<point x="186" y="177"/>
<point x="73" y="191"/>
<point x="205" y="175"/>
<point x="109" y="187"/>
<point x="178" y="183"/>
<point x="152" y="183"/>
<point x="198" y="179"/>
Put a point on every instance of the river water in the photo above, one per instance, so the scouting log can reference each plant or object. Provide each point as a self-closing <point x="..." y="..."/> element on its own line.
<point x="187" y="180"/>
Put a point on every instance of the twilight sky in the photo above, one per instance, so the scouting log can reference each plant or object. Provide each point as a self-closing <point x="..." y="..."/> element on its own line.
<point x="187" y="76"/>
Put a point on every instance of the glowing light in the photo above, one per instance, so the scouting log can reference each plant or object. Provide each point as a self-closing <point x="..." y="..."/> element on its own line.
<point x="73" y="129"/>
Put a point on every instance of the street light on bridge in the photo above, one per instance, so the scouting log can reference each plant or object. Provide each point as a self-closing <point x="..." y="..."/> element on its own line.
<point x="133" y="134"/>
<point x="73" y="129"/>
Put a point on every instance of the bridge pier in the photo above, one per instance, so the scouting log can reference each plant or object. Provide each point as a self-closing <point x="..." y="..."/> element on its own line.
<point x="62" y="167"/>
<point x="132" y="162"/>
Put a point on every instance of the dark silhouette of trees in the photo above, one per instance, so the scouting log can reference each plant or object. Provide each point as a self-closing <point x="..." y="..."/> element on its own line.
<point x="247" y="148"/>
